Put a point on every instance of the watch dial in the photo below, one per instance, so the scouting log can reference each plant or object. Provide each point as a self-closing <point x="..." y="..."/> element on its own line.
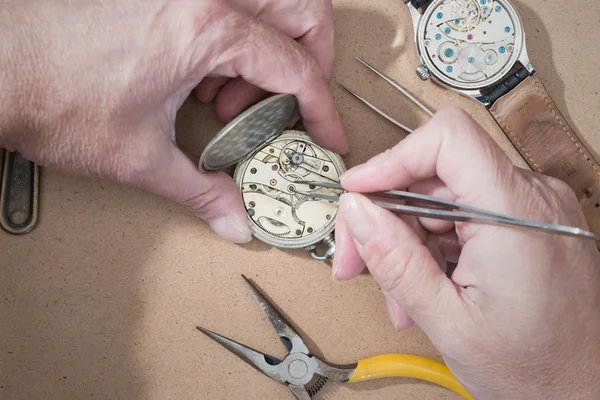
<point x="470" y="43"/>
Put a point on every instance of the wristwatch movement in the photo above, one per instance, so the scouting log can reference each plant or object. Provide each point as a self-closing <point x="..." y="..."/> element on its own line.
<point x="478" y="48"/>
<point x="271" y="165"/>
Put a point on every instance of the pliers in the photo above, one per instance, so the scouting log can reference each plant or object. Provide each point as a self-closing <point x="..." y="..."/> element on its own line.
<point x="305" y="374"/>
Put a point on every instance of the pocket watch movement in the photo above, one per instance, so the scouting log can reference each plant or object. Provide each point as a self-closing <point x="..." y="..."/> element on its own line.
<point x="469" y="44"/>
<point x="268" y="181"/>
<point x="271" y="165"/>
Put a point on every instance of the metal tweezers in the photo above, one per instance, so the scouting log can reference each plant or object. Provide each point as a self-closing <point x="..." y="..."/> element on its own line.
<point x="397" y="87"/>
<point x="465" y="213"/>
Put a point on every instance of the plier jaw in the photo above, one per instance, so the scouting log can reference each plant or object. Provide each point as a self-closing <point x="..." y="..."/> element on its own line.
<point x="304" y="373"/>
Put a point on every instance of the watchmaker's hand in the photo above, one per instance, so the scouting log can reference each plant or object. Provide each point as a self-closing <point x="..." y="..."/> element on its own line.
<point x="94" y="88"/>
<point x="518" y="318"/>
<point x="309" y="22"/>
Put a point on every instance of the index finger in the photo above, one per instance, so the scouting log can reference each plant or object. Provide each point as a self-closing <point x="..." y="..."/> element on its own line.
<point x="451" y="146"/>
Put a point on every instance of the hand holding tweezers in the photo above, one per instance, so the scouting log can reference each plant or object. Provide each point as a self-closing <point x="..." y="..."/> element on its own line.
<point x="465" y="213"/>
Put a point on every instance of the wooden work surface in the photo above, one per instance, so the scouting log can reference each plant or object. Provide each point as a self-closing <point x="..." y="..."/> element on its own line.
<point x="102" y="299"/>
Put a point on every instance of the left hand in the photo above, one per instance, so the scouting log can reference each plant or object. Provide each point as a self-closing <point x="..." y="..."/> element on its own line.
<point x="309" y="22"/>
<point x="94" y="87"/>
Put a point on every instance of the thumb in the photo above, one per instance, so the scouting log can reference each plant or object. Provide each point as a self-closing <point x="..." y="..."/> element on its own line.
<point x="399" y="261"/>
<point x="213" y="197"/>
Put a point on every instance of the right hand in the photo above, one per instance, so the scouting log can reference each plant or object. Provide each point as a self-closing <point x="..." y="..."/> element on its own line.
<point x="519" y="318"/>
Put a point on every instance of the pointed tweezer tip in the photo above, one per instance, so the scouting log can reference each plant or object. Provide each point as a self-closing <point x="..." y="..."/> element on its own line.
<point x="203" y="330"/>
<point x="367" y="64"/>
<point x="208" y="333"/>
<point x="347" y="89"/>
<point x="324" y="184"/>
<point x="305" y="193"/>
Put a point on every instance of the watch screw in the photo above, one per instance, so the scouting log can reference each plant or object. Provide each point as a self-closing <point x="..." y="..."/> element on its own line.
<point x="423" y="72"/>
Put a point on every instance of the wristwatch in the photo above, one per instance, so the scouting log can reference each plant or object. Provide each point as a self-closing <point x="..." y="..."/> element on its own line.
<point x="478" y="49"/>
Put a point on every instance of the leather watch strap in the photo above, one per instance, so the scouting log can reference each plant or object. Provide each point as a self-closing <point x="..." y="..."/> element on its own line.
<point x="539" y="132"/>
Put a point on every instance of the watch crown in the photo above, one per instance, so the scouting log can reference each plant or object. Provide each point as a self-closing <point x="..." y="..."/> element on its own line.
<point x="423" y="72"/>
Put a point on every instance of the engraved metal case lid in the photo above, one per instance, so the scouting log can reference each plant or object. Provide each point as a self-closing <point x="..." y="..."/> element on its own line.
<point x="247" y="132"/>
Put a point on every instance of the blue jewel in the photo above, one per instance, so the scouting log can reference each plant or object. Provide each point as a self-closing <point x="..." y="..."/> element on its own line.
<point x="502" y="49"/>
<point x="507" y="29"/>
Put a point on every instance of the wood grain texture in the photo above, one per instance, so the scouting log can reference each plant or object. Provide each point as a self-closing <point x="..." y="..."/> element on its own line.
<point x="102" y="299"/>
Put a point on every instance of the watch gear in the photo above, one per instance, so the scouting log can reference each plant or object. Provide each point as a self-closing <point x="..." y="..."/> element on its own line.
<point x="470" y="43"/>
<point x="268" y="180"/>
<point x="271" y="163"/>
<point x="493" y="67"/>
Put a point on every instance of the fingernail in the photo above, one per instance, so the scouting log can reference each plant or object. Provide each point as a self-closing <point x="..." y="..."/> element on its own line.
<point x="364" y="169"/>
<point x="334" y="270"/>
<point x="233" y="227"/>
<point x="371" y="168"/>
<point x="360" y="216"/>
<point x="346" y="174"/>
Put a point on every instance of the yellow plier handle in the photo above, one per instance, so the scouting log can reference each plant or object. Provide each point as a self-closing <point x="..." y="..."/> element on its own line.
<point x="407" y="366"/>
